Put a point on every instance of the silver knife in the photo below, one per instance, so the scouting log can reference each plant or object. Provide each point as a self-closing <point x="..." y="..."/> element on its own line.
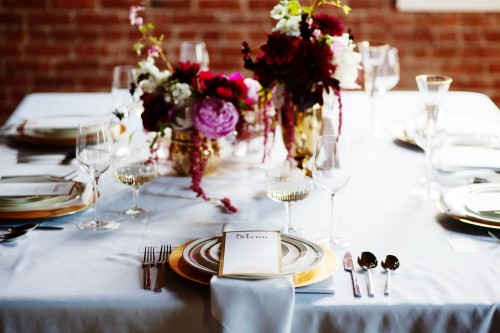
<point x="349" y="266"/>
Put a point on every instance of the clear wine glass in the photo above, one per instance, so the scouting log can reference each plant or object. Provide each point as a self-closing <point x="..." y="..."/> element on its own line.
<point x="373" y="56"/>
<point x="429" y="126"/>
<point x="386" y="79"/>
<point x="195" y="52"/>
<point x="331" y="172"/>
<point x="135" y="170"/>
<point x="121" y="88"/>
<point x="94" y="151"/>
<point x="288" y="185"/>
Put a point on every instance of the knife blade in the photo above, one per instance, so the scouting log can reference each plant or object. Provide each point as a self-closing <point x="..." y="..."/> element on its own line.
<point x="349" y="266"/>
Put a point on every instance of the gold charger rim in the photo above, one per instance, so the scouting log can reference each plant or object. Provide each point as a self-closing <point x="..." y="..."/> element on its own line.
<point x="48" y="141"/>
<point x="323" y="270"/>
<point x="469" y="219"/>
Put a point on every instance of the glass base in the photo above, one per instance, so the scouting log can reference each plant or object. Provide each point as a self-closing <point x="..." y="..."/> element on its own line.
<point x="335" y="244"/>
<point x="425" y="195"/>
<point x="292" y="230"/>
<point x="98" y="225"/>
<point x="136" y="212"/>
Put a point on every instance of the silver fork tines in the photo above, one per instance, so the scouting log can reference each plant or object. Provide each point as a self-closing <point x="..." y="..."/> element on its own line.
<point x="165" y="252"/>
<point x="147" y="262"/>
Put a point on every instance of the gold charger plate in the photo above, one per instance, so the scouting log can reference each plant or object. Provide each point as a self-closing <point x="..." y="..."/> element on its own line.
<point x="54" y="141"/>
<point x="48" y="213"/>
<point x="469" y="219"/>
<point x="318" y="273"/>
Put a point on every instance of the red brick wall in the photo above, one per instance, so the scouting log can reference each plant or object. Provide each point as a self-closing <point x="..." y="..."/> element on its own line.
<point x="72" y="45"/>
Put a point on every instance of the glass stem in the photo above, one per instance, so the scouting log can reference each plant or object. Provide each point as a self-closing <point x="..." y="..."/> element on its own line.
<point x="95" y="181"/>
<point x="428" y="171"/>
<point x="135" y="193"/>
<point x="288" y="213"/>
<point x="331" y="241"/>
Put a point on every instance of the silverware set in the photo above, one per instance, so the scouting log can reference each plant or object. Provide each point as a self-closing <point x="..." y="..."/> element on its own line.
<point x="367" y="261"/>
<point x="150" y="261"/>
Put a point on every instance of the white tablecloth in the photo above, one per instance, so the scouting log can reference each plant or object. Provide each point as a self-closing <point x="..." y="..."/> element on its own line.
<point x="77" y="281"/>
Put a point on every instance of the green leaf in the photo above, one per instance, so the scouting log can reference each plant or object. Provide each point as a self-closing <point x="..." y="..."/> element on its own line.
<point x="138" y="48"/>
<point x="294" y="7"/>
<point x="146" y="27"/>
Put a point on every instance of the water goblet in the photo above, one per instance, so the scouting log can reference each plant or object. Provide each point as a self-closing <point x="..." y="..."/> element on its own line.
<point x="195" y="52"/>
<point x="331" y="172"/>
<point x="288" y="185"/>
<point x="135" y="170"/>
<point x="94" y="151"/>
<point x="373" y="56"/>
<point x="122" y="88"/>
<point x="386" y="79"/>
<point x="429" y="126"/>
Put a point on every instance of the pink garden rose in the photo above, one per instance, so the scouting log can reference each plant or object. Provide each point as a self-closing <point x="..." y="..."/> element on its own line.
<point x="215" y="117"/>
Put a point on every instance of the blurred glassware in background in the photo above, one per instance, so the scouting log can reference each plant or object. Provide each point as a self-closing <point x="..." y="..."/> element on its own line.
<point x="195" y="52"/>
<point x="429" y="127"/>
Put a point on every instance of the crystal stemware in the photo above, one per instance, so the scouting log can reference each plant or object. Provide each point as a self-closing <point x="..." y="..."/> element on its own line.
<point x="195" y="52"/>
<point x="387" y="78"/>
<point x="373" y="56"/>
<point x="94" y="151"/>
<point x="121" y="88"/>
<point x="331" y="172"/>
<point x="429" y="126"/>
<point x="288" y="185"/>
<point x="135" y="170"/>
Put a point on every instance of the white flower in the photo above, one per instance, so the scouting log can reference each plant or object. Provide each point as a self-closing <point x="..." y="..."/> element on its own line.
<point x="178" y="93"/>
<point x="289" y="26"/>
<point x="279" y="11"/>
<point x="346" y="60"/>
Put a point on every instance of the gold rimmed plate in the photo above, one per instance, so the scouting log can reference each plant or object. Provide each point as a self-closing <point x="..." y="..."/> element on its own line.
<point x="64" y="136"/>
<point x="47" y="206"/>
<point x="324" y="269"/>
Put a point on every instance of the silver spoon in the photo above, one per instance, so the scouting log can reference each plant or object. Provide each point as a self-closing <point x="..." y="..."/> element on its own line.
<point x="390" y="263"/>
<point x="367" y="260"/>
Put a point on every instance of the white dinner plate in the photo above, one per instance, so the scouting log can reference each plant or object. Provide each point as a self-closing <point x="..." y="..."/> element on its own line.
<point x="457" y="204"/>
<point x="302" y="255"/>
<point x="37" y="202"/>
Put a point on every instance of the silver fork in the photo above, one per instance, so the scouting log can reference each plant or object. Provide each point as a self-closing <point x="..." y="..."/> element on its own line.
<point x="165" y="252"/>
<point x="494" y="236"/>
<point x="147" y="262"/>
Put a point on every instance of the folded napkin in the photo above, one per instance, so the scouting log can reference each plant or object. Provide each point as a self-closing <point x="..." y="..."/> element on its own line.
<point x="453" y="158"/>
<point x="26" y="169"/>
<point x="246" y="306"/>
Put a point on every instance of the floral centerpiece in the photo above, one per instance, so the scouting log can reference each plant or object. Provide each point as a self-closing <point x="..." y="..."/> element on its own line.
<point x="206" y="105"/>
<point x="306" y="54"/>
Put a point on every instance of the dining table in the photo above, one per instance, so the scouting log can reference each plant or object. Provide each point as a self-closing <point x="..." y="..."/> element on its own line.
<point x="72" y="280"/>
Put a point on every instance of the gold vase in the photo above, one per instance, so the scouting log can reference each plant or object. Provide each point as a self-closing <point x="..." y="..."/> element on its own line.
<point x="181" y="146"/>
<point x="308" y="125"/>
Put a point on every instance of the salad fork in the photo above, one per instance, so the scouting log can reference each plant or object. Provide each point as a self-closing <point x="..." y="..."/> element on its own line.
<point x="147" y="262"/>
<point x="165" y="252"/>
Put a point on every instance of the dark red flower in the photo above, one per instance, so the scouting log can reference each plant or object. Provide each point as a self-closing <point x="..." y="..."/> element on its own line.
<point x="280" y="48"/>
<point x="156" y="112"/>
<point x="186" y="72"/>
<point x="328" y="24"/>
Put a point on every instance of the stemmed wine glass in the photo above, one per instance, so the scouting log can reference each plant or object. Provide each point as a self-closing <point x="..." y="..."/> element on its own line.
<point x="135" y="170"/>
<point x="121" y="88"/>
<point x="387" y="77"/>
<point x="195" y="52"/>
<point x="288" y="185"/>
<point x="331" y="172"/>
<point x="373" y="56"/>
<point x="94" y="151"/>
<point x="429" y="125"/>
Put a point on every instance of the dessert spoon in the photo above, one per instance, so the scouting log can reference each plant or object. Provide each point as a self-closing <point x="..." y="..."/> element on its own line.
<point x="390" y="263"/>
<point x="367" y="260"/>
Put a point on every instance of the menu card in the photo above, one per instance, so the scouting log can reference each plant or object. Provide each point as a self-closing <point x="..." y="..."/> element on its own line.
<point x="28" y="189"/>
<point x="63" y="122"/>
<point x="250" y="253"/>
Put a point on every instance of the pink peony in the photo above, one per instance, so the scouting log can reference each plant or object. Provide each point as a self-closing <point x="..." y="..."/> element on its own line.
<point x="215" y="117"/>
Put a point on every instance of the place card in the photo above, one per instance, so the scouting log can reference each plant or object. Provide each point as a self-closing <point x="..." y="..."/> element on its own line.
<point x="250" y="253"/>
<point x="63" y="122"/>
<point x="29" y="189"/>
<point x="462" y="244"/>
